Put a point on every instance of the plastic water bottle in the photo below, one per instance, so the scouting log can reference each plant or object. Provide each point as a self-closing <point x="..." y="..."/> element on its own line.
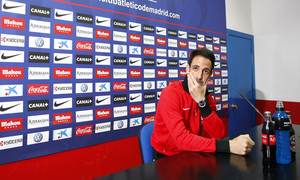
<point x="282" y="132"/>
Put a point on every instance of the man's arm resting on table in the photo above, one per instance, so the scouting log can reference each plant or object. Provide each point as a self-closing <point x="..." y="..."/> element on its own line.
<point x="240" y="145"/>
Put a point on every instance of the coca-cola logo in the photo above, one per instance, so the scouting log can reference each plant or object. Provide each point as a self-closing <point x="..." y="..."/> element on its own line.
<point x="272" y="139"/>
<point x="224" y="57"/>
<point x="84" y="46"/>
<point x="120" y="86"/>
<point x="149" y="51"/>
<point x="149" y="119"/>
<point x="84" y="130"/>
<point x="225" y="106"/>
<point x="38" y="89"/>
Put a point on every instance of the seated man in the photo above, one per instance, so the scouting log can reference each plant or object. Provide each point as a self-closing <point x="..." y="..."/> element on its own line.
<point x="185" y="108"/>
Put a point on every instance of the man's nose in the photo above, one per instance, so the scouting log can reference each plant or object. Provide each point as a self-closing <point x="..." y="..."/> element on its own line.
<point x="200" y="75"/>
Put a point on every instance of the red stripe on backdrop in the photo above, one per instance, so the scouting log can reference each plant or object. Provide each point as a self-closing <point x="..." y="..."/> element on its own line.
<point x="266" y="105"/>
<point x="83" y="163"/>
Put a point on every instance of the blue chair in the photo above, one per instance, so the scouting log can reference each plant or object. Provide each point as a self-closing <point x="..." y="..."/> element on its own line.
<point x="144" y="137"/>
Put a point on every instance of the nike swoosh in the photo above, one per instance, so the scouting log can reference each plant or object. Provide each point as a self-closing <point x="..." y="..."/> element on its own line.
<point x="10" y="7"/>
<point x="131" y="61"/>
<point x="181" y="34"/>
<point x="7" y="57"/>
<point x="101" y="21"/>
<point x="60" y="15"/>
<point x="59" y="104"/>
<point x="158" y="63"/>
<point x="182" y="64"/>
<point x="200" y="37"/>
<point x="99" y="101"/>
<point x="59" y="59"/>
<point x="2" y="109"/>
<point x="216" y="65"/>
<point x="98" y="61"/>
<point x="133" y="26"/>
<point x="186" y="109"/>
<point x="133" y="98"/>
<point x="158" y="31"/>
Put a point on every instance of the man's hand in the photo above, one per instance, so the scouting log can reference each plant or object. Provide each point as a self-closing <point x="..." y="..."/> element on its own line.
<point x="196" y="89"/>
<point x="241" y="145"/>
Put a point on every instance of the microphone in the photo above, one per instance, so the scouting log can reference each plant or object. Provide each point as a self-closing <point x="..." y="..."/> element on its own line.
<point x="252" y="105"/>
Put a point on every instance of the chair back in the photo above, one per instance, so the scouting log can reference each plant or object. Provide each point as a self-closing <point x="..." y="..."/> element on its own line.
<point x="144" y="138"/>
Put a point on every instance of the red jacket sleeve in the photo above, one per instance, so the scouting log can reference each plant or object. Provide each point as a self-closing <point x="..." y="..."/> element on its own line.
<point x="212" y="124"/>
<point x="171" y="106"/>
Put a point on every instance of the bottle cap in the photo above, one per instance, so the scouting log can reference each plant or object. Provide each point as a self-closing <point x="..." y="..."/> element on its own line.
<point x="279" y="106"/>
<point x="267" y="113"/>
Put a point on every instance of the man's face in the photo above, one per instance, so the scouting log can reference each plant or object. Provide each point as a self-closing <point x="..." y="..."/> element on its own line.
<point x="200" y="69"/>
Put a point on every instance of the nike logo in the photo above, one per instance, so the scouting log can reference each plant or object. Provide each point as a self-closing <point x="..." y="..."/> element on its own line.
<point x="216" y="65"/>
<point x="10" y="7"/>
<point x="99" y="101"/>
<point x="133" y="98"/>
<point x="132" y="62"/>
<point x="98" y="21"/>
<point x="2" y="109"/>
<point x="100" y="60"/>
<point x="158" y="31"/>
<point x="7" y="57"/>
<point x="60" y="15"/>
<point x="186" y="109"/>
<point x="200" y="37"/>
<point x="182" y="63"/>
<point x="59" y="104"/>
<point x="59" y="59"/>
<point x="131" y="26"/>
<point x="181" y="34"/>
<point x="159" y="63"/>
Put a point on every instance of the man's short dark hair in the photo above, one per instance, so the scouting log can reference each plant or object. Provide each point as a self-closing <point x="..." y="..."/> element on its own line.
<point x="204" y="52"/>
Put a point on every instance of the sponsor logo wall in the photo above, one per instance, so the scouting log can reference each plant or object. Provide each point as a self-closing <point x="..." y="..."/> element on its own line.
<point x="75" y="77"/>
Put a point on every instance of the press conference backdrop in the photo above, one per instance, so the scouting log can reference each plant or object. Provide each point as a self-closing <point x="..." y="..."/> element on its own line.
<point x="77" y="73"/>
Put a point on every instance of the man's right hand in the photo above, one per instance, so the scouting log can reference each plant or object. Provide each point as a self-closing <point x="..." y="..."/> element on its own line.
<point x="241" y="145"/>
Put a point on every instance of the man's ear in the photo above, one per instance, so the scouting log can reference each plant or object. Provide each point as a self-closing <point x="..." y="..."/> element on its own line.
<point x="187" y="68"/>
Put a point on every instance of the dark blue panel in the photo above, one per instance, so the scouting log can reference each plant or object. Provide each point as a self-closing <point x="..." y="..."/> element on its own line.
<point x="241" y="79"/>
